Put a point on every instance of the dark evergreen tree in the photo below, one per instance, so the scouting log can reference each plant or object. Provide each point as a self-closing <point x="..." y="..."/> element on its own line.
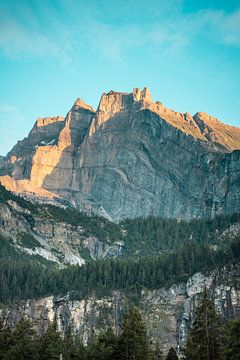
<point x="51" y="343"/>
<point x="205" y="339"/>
<point x="72" y="350"/>
<point x="172" y="355"/>
<point x="22" y="345"/>
<point x="232" y="350"/>
<point x="104" y="347"/>
<point x="133" y="340"/>
<point x="5" y="338"/>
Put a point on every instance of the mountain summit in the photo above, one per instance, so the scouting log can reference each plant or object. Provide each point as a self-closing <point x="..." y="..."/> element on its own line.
<point x="131" y="157"/>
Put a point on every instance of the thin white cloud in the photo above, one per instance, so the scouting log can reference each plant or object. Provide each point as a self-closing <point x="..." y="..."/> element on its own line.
<point x="231" y="29"/>
<point x="169" y="34"/>
<point x="24" y="37"/>
<point x="86" y="30"/>
<point x="217" y="25"/>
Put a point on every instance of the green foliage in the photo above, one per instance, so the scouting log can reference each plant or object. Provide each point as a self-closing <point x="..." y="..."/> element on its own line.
<point x="51" y="344"/>
<point x="143" y="236"/>
<point x="235" y="247"/>
<point x="5" y="339"/>
<point x="158" y="253"/>
<point x="172" y="355"/>
<point x="72" y="349"/>
<point x="23" y="277"/>
<point x="27" y="240"/>
<point x="205" y="341"/>
<point x="103" y="347"/>
<point x="133" y="339"/>
<point x="232" y="350"/>
<point x="153" y="235"/>
<point x="22" y="343"/>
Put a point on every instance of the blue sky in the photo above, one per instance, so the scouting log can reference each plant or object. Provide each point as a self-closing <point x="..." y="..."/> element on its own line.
<point x="53" y="51"/>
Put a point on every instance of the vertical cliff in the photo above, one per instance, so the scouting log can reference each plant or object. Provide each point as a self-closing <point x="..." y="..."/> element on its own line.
<point x="130" y="158"/>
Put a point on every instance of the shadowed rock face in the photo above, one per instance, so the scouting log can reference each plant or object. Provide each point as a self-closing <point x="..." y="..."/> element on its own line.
<point x="130" y="158"/>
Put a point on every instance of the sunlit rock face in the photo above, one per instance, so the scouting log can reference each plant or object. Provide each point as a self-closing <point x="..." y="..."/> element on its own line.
<point x="132" y="157"/>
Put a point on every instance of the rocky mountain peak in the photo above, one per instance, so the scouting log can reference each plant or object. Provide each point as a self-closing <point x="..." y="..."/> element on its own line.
<point x="218" y="132"/>
<point x="115" y="102"/>
<point x="80" y="104"/>
<point x="205" y="117"/>
<point x="142" y="95"/>
<point x="124" y="100"/>
<point x="45" y="121"/>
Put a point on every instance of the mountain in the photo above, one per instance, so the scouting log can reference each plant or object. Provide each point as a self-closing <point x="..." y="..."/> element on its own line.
<point x="130" y="158"/>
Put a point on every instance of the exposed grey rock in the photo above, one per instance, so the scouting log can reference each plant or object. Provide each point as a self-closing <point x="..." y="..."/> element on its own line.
<point x="57" y="241"/>
<point x="131" y="158"/>
<point x="168" y="313"/>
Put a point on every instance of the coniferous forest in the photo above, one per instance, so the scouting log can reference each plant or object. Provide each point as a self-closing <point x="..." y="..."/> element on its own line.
<point x="159" y="253"/>
<point x="209" y="339"/>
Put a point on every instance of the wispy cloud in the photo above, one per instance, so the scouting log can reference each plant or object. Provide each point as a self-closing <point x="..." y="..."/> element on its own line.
<point x="216" y="25"/>
<point x="22" y="35"/>
<point x="230" y="27"/>
<point x="167" y="34"/>
<point x="47" y="33"/>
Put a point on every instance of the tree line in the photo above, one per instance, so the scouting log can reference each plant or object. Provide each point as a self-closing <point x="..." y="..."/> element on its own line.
<point x="23" y="342"/>
<point x="23" y="277"/>
<point x="209" y="339"/>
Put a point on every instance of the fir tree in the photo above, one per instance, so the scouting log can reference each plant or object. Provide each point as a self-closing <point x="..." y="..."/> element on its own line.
<point x="205" y="339"/>
<point x="22" y="344"/>
<point x="51" y="343"/>
<point x="172" y="355"/>
<point x="104" y="347"/>
<point x="133" y="340"/>
<point x="5" y="338"/>
<point x="233" y="340"/>
<point x="70" y="349"/>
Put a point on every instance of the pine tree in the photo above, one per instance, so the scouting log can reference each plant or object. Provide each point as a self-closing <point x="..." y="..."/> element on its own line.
<point x="5" y="338"/>
<point x="103" y="347"/>
<point x="232" y="350"/>
<point x="51" y="343"/>
<point x="22" y="344"/>
<point x="205" y="340"/>
<point x="172" y="355"/>
<point x="133" y="340"/>
<point x="70" y="349"/>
